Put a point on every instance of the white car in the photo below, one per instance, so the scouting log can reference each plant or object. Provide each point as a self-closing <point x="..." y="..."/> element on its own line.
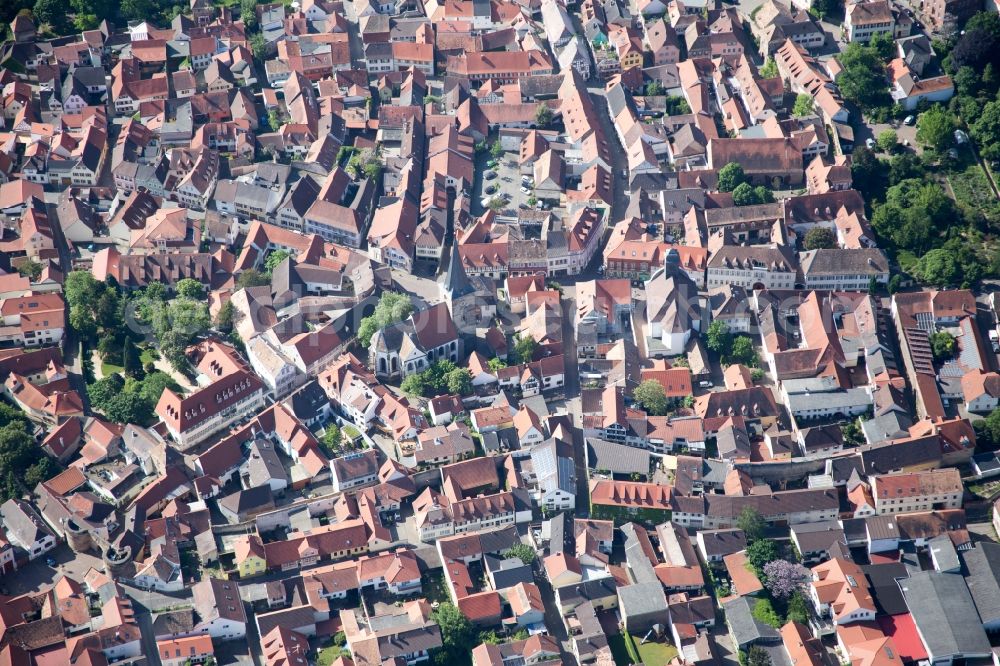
<point x="525" y="190"/>
<point x="870" y="142"/>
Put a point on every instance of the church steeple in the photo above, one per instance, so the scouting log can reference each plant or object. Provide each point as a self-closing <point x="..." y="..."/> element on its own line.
<point x="456" y="283"/>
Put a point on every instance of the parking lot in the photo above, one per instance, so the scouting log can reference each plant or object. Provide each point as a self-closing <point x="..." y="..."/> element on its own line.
<point x="500" y="178"/>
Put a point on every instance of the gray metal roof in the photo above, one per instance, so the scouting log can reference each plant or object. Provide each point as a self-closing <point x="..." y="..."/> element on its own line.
<point x="746" y="629"/>
<point x="945" y="615"/>
<point x="642" y="599"/>
<point x="616" y="458"/>
<point x="983" y="564"/>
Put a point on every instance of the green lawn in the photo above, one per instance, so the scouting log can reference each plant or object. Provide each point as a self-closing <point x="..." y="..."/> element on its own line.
<point x="327" y="655"/>
<point x="655" y="654"/>
<point x="110" y="368"/>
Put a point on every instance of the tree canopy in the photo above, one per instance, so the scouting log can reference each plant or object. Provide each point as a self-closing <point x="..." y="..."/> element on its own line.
<point x="747" y="195"/>
<point x="525" y="347"/>
<point x="820" y="238"/>
<point x="730" y="177"/>
<point x="803" y="105"/>
<point x="391" y="308"/>
<point x="651" y="396"/>
<point x="862" y="80"/>
<point x="718" y="338"/>
<point x="936" y="128"/>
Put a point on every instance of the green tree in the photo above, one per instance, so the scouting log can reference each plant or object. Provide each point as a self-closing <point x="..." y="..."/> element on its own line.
<point x="42" y="469"/>
<point x="746" y="195"/>
<point x="525" y="347"/>
<point x="497" y="204"/>
<point x="456" y="635"/>
<point x="651" y="396"/>
<point x="862" y="80"/>
<point x="523" y="552"/>
<point x="154" y="384"/>
<point x="803" y="105"/>
<point x="414" y="385"/>
<point x="459" y="381"/>
<point x="252" y="278"/>
<point x="718" y="338"/>
<point x="654" y="89"/>
<point x="988" y="428"/>
<point x="939" y="268"/>
<point x="31" y="270"/>
<point x="224" y="317"/>
<point x="798" y="609"/>
<point x="936" y="128"/>
<point x="496" y="150"/>
<point x="764" y="612"/>
<point x="190" y="288"/>
<point x="274" y="120"/>
<point x="752" y="524"/>
<point x="274" y="260"/>
<point x="759" y="553"/>
<point x="258" y="46"/>
<point x="332" y="437"/>
<point x="53" y="12"/>
<point x="770" y="69"/>
<point x="756" y="655"/>
<point x="391" y="308"/>
<point x="820" y="238"/>
<point x="853" y="435"/>
<point x="104" y="390"/>
<point x="986" y="131"/>
<point x="731" y="176"/>
<point x="943" y="345"/>
<point x="81" y="291"/>
<point x="128" y="407"/>
<point x="543" y="118"/>
<point x="887" y="140"/>
<point x="496" y="364"/>
<point x="138" y="9"/>
<point x="743" y="352"/>
<point x="884" y="46"/>
<point x="372" y="168"/>
<point x="248" y="13"/>
<point x="131" y="360"/>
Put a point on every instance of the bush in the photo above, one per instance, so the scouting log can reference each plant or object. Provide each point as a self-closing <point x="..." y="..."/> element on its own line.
<point x="888" y="140"/>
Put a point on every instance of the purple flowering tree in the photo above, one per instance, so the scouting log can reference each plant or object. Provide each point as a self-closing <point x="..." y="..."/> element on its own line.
<point x="783" y="578"/>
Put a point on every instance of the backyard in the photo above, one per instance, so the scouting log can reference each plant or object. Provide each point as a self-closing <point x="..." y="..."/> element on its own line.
<point x="627" y="649"/>
<point x="655" y="653"/>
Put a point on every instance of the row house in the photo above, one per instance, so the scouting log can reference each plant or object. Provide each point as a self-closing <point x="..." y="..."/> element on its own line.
<point x="193" y="419"/>
<point x="501" y="66"/>
<point x="933" y="490"/>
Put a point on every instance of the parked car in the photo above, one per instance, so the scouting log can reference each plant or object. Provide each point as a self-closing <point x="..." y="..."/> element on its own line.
<point x="909" y="120"/>
<point x="705" y="384"/>
<point x="51" y="561"/>
<point x="490" y="189"/>
<point x="870" y="143"/>
<point x="525" y="190"/>
<point x="490" y="175"/>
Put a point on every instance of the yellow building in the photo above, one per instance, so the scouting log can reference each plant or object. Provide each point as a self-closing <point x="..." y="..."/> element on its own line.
<point x="250" y="559"/>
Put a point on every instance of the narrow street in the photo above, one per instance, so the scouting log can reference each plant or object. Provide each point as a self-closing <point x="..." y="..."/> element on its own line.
<point x="554" y="619"/>
<point x="619" y="160"/>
